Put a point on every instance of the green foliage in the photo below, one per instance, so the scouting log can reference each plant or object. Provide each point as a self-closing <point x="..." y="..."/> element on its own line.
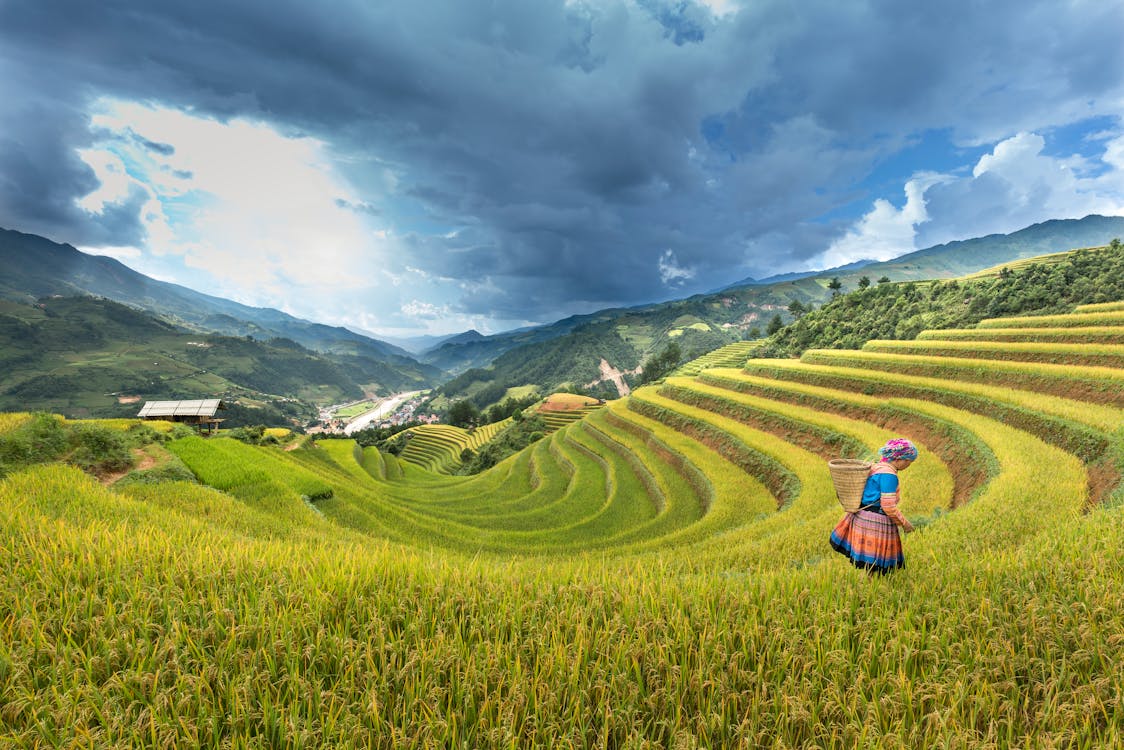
<point x="525" y="432"/>
<point x="509" y="407"/>
<point x="253" y="435"/>
<point x="100" y="450"/>
<point x="463" y="413"/>
<point x="38" y="440"/>
<point x="378" y="435"/>
<point x="628" y="582"/>
<point x="663" y="363"/>
<point x="901" y="311"/>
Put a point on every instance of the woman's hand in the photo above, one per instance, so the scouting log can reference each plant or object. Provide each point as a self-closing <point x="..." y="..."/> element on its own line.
<point x="907" y="526"/>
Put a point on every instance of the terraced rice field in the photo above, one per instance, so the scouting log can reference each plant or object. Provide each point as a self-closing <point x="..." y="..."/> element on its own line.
<point x="653" y="574"/>
<point x="561" y="409"/>
<point x="438" y="447"/>
<point x="731" y="355"/>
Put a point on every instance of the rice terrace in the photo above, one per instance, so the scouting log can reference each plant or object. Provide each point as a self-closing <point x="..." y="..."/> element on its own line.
<point x="653" y="573"/>
<point x="538" y="374"/>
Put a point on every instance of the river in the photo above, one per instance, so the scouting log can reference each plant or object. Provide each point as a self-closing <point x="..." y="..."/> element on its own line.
<point x="382" y="409"/>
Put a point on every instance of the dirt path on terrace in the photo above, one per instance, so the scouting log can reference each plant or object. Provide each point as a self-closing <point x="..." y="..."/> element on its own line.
<point x="145" y="461"/>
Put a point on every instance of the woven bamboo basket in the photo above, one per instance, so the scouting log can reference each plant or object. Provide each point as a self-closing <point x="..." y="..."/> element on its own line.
<point x="849" y="477"/>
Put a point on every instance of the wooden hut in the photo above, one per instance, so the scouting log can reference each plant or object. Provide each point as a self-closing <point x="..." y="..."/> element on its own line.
<point x="199" y="414"/>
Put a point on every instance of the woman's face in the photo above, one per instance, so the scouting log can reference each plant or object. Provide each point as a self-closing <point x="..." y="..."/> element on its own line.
<point x="901" y="464"/>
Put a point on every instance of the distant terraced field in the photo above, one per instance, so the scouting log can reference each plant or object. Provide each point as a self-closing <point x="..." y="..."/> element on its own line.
<point x="438" y="447"/>
<point x="653" y="573"/>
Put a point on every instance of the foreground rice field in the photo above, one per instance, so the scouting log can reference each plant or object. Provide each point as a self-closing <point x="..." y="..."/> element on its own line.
<point x="655" y="574"/>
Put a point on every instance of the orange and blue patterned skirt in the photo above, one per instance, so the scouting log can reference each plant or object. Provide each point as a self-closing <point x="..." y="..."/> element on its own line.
<point x="869" y="540"/>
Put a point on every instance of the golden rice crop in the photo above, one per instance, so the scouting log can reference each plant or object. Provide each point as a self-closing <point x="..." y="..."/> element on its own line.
<point x="626" y="582"/>
<point x="13" y="421"/>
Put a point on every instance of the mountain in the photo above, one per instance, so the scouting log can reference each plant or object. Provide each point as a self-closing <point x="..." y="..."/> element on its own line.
<point x="415" y="345"/>
<point x="571" y="355"/>
<point x="780" y="277"/>
<point x="92" y="357"/>
<point x="33" y="267"/>
<point x="472" y="349"/>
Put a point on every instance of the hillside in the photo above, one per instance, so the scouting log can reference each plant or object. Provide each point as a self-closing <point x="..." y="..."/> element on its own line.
<point x="665" y="557"/>
<point x="569" y="354"/>
<point x="33" y="267"/>
<point x="81" y="357"/>
<point x="1041" y="285"/>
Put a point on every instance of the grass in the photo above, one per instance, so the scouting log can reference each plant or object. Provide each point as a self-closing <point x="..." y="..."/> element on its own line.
<point x="653" y="575"/>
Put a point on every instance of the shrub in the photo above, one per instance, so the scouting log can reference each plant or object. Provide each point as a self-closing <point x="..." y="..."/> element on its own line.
<point x="38" y="440"/>
<point x="100" y="450"/>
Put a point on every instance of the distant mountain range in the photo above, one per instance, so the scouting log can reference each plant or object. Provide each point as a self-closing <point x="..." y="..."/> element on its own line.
<point x="33" y="267"/>
<point x="574" y="351"/>
<point x="626" y="337"/>
<point x="781" y="277"/>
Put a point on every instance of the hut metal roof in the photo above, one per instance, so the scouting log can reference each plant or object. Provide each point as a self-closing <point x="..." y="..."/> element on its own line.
<point x="201" y="408"/>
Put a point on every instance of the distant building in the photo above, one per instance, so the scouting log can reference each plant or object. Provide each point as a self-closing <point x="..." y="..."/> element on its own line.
<point x="199" y="414"/>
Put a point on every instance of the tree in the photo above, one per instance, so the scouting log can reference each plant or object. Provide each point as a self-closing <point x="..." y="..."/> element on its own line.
<point x="796" y="307"/>
<point x="884" y="280"/>
<point x="864" y="282"/>
<point x="835" y="286"/>
<point x="775" y="325"/>
<point x="463" y="413"/>
<point x="661" y="364"/>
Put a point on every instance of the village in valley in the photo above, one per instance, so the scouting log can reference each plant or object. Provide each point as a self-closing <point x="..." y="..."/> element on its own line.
<point x="391" y="411"/>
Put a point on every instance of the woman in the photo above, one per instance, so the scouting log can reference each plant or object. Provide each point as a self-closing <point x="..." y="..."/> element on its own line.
<point x="869" y="538"/>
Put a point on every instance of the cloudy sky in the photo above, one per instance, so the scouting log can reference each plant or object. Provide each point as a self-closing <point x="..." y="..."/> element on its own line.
<point x="435" y="165"/>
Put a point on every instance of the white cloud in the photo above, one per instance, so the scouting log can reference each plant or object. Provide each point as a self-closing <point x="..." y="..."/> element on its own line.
<point x="265" y="215"/>
<point x="721" y="7"/>
<point x="883" y="233"/>
<point x="114" y="179"/>
<point x="671" y="273"/>
<point x="1011" y="187"/>
<point x="424" y="310"/>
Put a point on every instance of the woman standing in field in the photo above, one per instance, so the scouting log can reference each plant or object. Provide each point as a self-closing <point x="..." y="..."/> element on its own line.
<point x="869" y="538"/>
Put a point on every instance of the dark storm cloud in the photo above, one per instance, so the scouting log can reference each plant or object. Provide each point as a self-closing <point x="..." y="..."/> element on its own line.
<point x="565" y="142"/>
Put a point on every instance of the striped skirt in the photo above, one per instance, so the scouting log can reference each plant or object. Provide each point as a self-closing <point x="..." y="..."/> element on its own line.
<point x="869" y="540"/>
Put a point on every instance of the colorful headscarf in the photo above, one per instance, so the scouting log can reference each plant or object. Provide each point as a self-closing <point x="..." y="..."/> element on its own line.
<point x="898" y="448"/>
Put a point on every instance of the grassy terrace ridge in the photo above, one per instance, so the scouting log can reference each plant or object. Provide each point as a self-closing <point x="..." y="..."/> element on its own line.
<point x="1097" y="355"/>
<point x="1076" y="334"/>
<point x="730" y="355"/>
<point x="1098" y="384"/>
<point x="1109" y="317"/>
<point x="1100" y="307"/>
<point x="653" y="574"/>
<point x="438" y="447"/>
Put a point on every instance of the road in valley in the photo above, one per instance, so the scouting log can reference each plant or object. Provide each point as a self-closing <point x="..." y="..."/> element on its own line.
<point x="383" y="408"/>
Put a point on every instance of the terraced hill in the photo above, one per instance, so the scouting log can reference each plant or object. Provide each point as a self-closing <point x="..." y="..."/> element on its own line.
<point x="438" y="447"/>
<point x="654" y="574"/>
<point x="561" y="409"/>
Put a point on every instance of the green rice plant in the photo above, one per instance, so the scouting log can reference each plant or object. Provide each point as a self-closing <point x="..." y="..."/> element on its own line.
<point x="730" y="355"/>
<point x="227" y="464"/>
<point x="1097" y="355"/>
<point x="1100" y="307"/>
<point x="1075" y="334"/>
<point x="13" y="421"/>
<point x="1085" y="430"/>
<point x="1098" y="384"/>
<point x="1112" y="317"/>
<point x="438" y="447"/>
<point x="140" y="625"/>
<point x="660" y="598"/>
<point x="970" y="394"/>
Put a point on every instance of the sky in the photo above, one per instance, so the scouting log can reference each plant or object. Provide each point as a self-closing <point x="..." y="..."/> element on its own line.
<point x="439" y="165"/>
